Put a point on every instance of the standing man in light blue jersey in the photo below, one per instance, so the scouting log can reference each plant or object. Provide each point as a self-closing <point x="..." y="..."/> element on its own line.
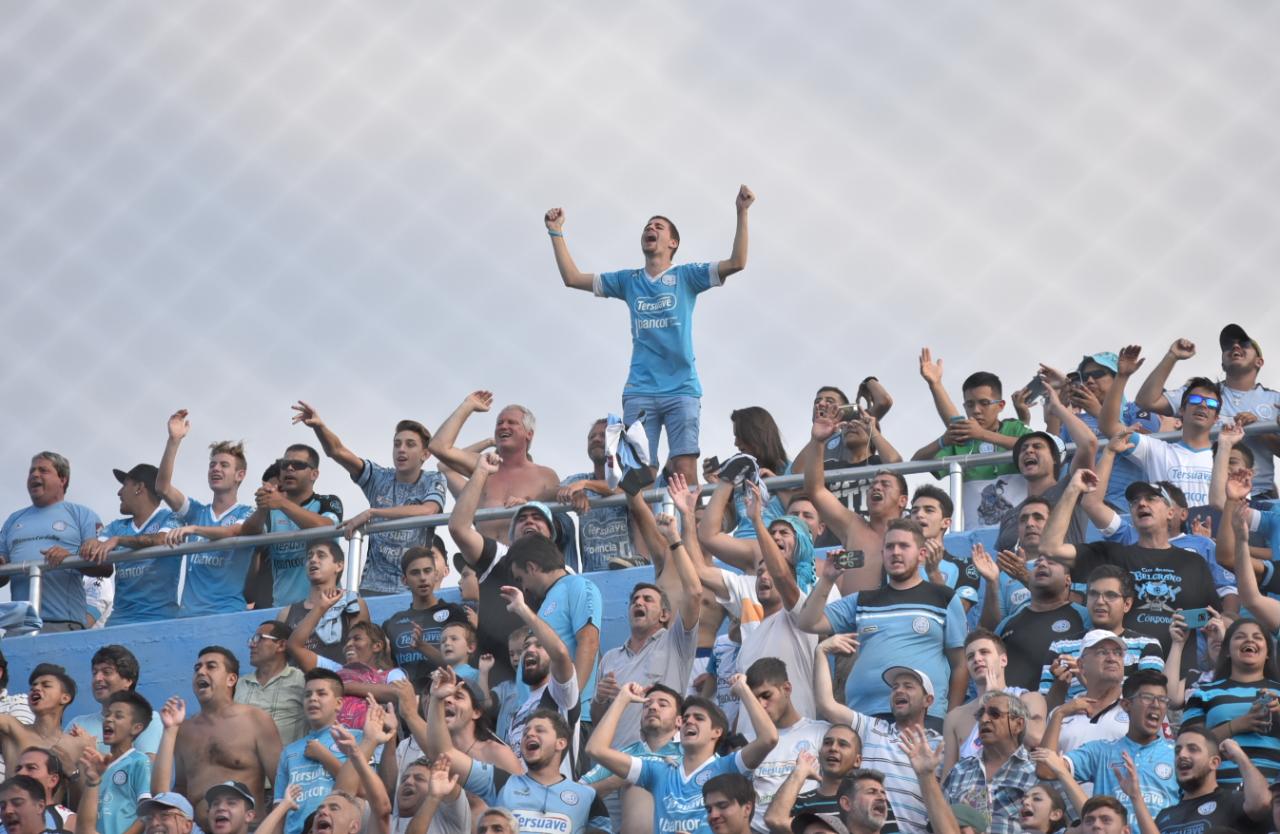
<point x="215" y="578"/>
<point x="293" y="505"/>
<point x="48" y="531"/>
<point x="663" y="382"/>
<point x="146" y="589"/>
<point x="400" y="492"/>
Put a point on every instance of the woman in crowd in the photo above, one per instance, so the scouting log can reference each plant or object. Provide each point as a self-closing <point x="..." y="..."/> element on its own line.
<point x="756" y="434"/>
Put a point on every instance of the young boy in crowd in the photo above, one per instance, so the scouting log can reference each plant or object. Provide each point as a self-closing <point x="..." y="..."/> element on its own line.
<point x="111" y="785"/>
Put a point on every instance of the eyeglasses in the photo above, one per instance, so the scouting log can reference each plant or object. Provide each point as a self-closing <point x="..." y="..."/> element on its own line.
<point x="1211" y="402"/>
<point x="290" y="465"/>
<point x="992" y="713"/>
<point x="1098" y="374"/>
<point x="1109" y="596"/>
<point x="982" y="403"/>
<point x="1148" y="698"/>
<point x="258" y="638"/>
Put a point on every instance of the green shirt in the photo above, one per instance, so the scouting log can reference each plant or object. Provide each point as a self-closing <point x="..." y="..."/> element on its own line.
<point x="986" y="472"/>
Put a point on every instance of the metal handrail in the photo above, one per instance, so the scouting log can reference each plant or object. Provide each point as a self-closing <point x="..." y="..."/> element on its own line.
<point x="954" y="466"/>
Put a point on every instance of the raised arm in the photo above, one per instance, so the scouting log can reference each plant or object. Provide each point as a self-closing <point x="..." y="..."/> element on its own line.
<point x="690" y="557"/>
<point x="812" y="616"/>
<point x="573" y="277"/>
<point x="273" y="823"/>
<point x="926" y="763"/>
<point x="1053" y="542"/>
<point x="1233" y="537"/>
<point x="681" y="581"/>
<point x="830" y="508"/>
<point x="931" y="373"/>
<point x="1095" y="503"/>
<point x="1081" y="435"/>
<point x="737" y="260"/>
<point x="878" y="399"/>
<point x="1227" y="439"/>
<point x="600" y="742"/>
<point x="370" y="785"/>
<point x="1126" y="366"/>
<point x="462" y="519"/>
<point x="444" y="683"/>
<point x="1257" y="793"/>
<point x="92" y="765"/>
<point x="1150" y="395"/>
<point x="780" y="811"/>
<point x="441" y="788"/>
<point x="1050" y="764"/>
<point x="178" y="427"/>
<point x="741" y="553"/>
<point x="766" y="731"/>
<point x="774" y="562"/>
<point x="562" y="665"/>
<point x="879" y="443"/>
<point x="828" y="708"/>
<point x="172" y="714"/>
<point x="443" y="442"/>
<point x="333" y="448"/>
<point x="297" y="645"/>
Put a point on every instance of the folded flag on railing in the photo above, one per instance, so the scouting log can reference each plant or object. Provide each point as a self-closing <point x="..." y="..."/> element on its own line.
<point x="628" y="451"/>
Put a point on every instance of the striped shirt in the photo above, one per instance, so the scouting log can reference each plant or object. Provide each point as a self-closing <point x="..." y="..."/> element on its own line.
<point x="1141" y="652"/>
<point x="881" y="751"/>
<point x="1221" y="700"/>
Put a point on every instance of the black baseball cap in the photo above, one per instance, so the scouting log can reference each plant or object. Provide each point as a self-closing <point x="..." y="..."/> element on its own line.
<point x="143" y="473"/>
<point x="1141" y="488"/>
<point x="239" y="789"/>
<point x="1235" y="333"/>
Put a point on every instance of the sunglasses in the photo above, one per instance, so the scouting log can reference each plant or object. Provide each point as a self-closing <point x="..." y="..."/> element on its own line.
<point x="289" y="465"/>
<point x="1197" y="399"/>
<point x="258" y="638"/>
<point x="993" y="713"/>
<point x="1098" y="374"/>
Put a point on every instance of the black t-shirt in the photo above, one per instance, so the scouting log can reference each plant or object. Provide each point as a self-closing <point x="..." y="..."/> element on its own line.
<point x="1166" y="580"/>
<point x="399" y="629"/>
<point x="812" y="802"/>
<point x="336" y="652"/>
<point x="1223" y="808"/>
<point x="1077" y="528"/>
<point x="497" y="624"/>
<point x="1028" y="634"/>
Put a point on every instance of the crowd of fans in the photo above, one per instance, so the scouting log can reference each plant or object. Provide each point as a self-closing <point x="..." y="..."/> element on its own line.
<point x="809" y="661"/>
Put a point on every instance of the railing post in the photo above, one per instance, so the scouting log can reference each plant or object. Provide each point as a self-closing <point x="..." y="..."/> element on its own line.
<point x="955" y="485"/>
<point x="36" y="578"/>
<point x="355" y="561"/>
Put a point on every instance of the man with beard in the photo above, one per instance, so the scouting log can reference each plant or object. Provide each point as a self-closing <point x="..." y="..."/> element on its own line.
<point x="907" y="622"/>
<point x="864" y="804"/>
<point x="632" y="807"/>
<point x="226" y="741"/>
<point x="1205" y="803"/>
<point x="606" y="533"/>
<point x="1048" y="616"/>
<point x="1146" y="700"/>
<point x="995" y="780"/>
<point x="542" y="798"/>
<point x="516" y="477"/>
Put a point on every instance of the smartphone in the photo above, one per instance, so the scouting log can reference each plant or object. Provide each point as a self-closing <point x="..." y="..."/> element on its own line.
<point x="959" y="418"/>
<point x="1073" y="378"/>
<point x="848" y="413"/>
<point x="1036" y="390"/>
<point x="1197" y="617"/>
<point x="711" y="464"/>
<point x="847" y="559"/>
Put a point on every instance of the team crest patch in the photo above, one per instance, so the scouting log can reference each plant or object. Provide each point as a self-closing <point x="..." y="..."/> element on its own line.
<point x="920" y="625"/>
<point x="59" y="526"/>
<point x="1207" y="809"/>
<point x="569" y="798"/>
<point x="702" y="778"/>
<point x="803" y="746"/>
<point x="669" y="279"/>
<point x="1060" y="626"/>
<point x="440" y="616"/>
<point x="119" y="777"/>
<point x="1164" y="770"/>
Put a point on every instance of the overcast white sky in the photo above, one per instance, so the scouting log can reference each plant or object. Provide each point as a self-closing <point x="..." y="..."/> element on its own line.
<point x="227" y="206"/>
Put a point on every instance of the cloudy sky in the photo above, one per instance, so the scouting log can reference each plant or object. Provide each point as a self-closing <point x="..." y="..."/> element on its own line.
<point x="227" y="206"/>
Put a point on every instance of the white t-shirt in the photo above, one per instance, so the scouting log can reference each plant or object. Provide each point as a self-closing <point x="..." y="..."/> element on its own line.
<point x="804" y="736"/>
<point x="773" y="636"/>
<point x="1259" y="401"/>
<point x="1108" y="725"/>
<point x="452" y="817"/>
<point x="1186" y="468"/>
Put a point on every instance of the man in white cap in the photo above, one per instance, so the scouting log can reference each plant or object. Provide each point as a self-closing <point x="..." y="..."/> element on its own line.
<point x="231" y="808"/>
<point x="166" y="813"/>
<point x="1096" y="713"/>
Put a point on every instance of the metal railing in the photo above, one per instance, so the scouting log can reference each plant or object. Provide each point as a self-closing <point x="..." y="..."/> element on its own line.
<point x="954" y="467"/>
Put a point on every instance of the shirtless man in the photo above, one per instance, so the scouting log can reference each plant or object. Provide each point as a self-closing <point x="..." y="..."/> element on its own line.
<point x="225" y="742"/>
<point x="52" y="690"/>
<point x="518" y="478"/>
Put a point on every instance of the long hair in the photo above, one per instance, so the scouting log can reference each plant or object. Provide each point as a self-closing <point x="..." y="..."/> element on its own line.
<point x="1223" y="670"/>
<point x="759" y="437"/>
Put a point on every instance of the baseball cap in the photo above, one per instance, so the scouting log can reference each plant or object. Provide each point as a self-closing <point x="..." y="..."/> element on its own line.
<point x="232" y="787"/>
<point x="1140" y="488"/>
<point x="1105" y="358"/>
<point x="543" y="510"/>
<point x="893" y="672"/>
<point x="164" y="801"/>
<point x="969" y="817"/>
<point x="1235" y="333"/>
<point x="143" y="473"/>
<point x="832" y="821"/>
<point x="1056" y="446"/>
<point x="1101" y="635"/>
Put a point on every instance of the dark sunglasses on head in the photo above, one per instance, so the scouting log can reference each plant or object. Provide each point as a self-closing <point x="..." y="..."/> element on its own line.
<point x="1211" y="402"/>
<point x="1098" y="374"/>
<point x="288" y="465"/>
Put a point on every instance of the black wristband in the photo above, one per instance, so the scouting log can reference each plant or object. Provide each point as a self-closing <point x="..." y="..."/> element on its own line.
<point x="673" y="548"/>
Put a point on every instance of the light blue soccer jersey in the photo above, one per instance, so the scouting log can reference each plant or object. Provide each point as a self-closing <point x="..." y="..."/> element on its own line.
<point x="564" y="807"/>
<point x="148" y="742"/>
<point x="677" y="796"/>
<point x="296" y="769"/>
<point x="602" y="530"/>
<point x="636" y="750"/>
<point x="662" y="362"/>
<point x="215" y="578"/>
<point x="146" y="590"/>
<point x="289" y="583"/>
<point x="33" y="529"/>
<point x="124" y="780"/>
<point x="912" y="627"/>
<point x="571" y="603"/>
<point x="382" y="566"/>
<point x="1094" y="761"/>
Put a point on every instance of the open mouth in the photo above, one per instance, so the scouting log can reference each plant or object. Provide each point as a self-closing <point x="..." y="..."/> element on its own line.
<point x="531" y="745"/>
<point x="322" y="824"/>
<point x="1250" y="650"/>
<point x="221" y="817"/>
<point x="650" y="237"/>
<point x="203" y="685"/>
<point x="108" y="732"/>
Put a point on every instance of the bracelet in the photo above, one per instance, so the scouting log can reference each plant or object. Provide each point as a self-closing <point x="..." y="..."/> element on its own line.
<point x="673" y="548"/>
<point x="554" y="233"/>
<point x="89" y="784"/>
